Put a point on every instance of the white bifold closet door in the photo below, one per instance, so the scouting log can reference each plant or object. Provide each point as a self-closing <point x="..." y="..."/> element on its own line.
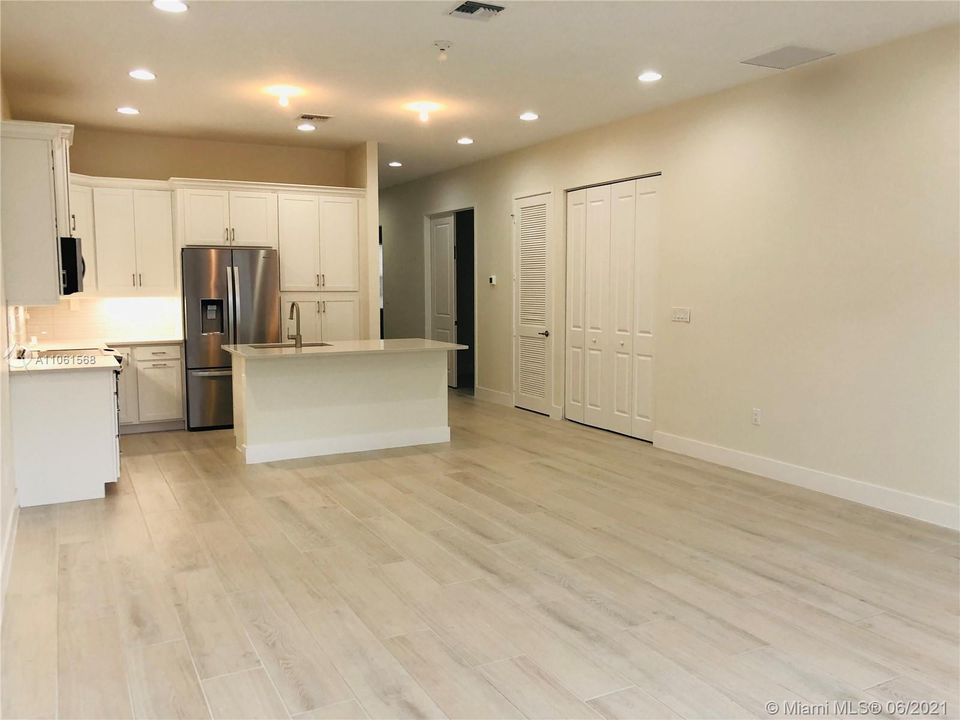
<point x="611" y="274"/>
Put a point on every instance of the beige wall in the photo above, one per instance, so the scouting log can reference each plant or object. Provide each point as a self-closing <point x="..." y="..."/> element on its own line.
<point x="156" y="157"/>
<point x="810" y="220"/>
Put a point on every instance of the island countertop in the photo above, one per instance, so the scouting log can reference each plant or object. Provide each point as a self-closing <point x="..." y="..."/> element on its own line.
<point x="340" y="348"/>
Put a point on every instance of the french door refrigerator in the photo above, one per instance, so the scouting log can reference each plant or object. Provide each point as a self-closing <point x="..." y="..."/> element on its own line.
<point x="231" y="295"/>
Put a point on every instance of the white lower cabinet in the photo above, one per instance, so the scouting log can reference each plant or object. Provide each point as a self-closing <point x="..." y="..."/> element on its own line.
<point x="151" y="384"/>
<point x="324" y="317"/>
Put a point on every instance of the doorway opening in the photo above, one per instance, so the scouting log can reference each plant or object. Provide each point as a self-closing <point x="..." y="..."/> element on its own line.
<point x="451" y="292"/>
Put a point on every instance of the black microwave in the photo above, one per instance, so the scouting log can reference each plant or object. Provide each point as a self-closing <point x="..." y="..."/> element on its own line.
<point x="72" y="267"/>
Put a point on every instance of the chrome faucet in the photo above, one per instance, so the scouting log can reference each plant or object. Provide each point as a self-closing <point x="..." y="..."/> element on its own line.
<point x="297" y="338"/>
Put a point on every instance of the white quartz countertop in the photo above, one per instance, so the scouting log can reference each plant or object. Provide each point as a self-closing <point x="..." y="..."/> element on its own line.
<point x="54" y="361"/>
<point x="340" y="348"/>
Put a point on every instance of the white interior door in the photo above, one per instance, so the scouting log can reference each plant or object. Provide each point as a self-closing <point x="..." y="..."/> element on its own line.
<point x="153" y="218"/>
<point x="253" y="218"/>
<point x="116" y="243"/>
<point x="299" y="242"/>
<point x="645" y="281"/>
<point x="576" y="232"/>
<point x="597" y="394"/>
<point x="618" y="353"/>
<point x="339" y="244"/>
<point x="443" y="294"/>
<point x="206" y="216"/>
<point x="532" y="356"/>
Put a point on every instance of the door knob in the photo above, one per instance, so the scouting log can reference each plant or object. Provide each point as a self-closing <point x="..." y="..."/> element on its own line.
<point x="545" y="333"/>
<point x="594" y="340"/>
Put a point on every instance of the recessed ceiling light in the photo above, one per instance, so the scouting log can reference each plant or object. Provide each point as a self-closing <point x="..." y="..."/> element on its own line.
<point x="126" y="110"/>
<point x="423" y="108"/>
<point x="170" y="6"/>
<point x="465" y="141"/>
<point x="529" y="116"/>
<point x="395" y="163"/>
<point x="142" y="74"/>
<point x="649" y="76"/>
<point x="306" y="127"/>
<point x="283" y="93"/>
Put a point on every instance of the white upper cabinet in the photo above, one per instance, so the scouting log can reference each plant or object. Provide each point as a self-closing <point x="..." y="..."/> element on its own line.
<point x="253" y="218"/>
<point x="134" y="242"/>
<point x="299" y="242"/>
<point x="206" y="217"/>
<point x="81" y="226"/>
<point x="339" y="236"/>
<point x="229" y="217"/>
<point x="36" y="209"/>
<point x="156" y="261"/>
<point x="116" y="240"/>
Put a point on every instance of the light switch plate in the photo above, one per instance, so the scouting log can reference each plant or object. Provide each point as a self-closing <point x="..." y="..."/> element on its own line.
<point x="681" y="314"/>
<point x="493" y="280"/>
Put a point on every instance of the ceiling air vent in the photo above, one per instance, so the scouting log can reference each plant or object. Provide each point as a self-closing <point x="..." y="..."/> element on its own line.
<point x="472" y="10"/>
<point x="787" y="57"/>
<point x="315" y="118"/>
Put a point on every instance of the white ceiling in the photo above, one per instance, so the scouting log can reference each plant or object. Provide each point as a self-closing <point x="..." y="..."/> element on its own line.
<point x="575" y="63"/>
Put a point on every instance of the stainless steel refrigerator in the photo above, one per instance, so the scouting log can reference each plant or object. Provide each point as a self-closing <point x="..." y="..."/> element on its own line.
<point x="231" y="295"/>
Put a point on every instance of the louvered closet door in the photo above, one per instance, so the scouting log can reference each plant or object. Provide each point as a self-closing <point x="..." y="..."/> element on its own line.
<point x="618" y="353"/>
<point x="597" y="390"/>
<point x="532" y="360"/>
<point x="576" y="230"/>
<point x="645" y="277"/>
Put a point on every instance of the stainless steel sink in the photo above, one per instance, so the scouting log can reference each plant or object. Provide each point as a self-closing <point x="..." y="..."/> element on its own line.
<point x="267" y="346"/>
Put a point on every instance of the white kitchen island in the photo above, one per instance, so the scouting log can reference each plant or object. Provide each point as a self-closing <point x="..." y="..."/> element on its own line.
<point x="342" y="397"/>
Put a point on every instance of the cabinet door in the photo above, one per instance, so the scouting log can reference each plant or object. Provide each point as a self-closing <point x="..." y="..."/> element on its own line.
<point x="299" y="242"/>
<point x="309" y="304"/>
<point x="127" y="389"/>
<point x="81" y="226"/>
<point x="339" y="244"/>
<point x="156" y="266"/>
<point x="116" y="246"/>
<point x="159" y="390"/>
<point x="253" y="218"/>
<point x="339" y="317"/>
<point x="206" y="216"/>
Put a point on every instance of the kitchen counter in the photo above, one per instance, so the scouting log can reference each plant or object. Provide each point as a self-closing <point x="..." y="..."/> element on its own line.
<point x="345" y="347"/>
<point x="343" y="397"/>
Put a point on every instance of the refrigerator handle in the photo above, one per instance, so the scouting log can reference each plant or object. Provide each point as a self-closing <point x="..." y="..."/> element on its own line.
<point x="236" y="291"/>
<point x="230" y="327"/>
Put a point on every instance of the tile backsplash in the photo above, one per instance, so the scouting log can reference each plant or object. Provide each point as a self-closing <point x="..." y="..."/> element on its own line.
<point x="112" y="319"/>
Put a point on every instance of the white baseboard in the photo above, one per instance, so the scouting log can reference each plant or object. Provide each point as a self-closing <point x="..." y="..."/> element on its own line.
<point x="493" y="396"/>
<point x="923" y="508"/>
<point x="8" y="542"/>
<point x="313" y="447"/>
<point x="137" y="428"/>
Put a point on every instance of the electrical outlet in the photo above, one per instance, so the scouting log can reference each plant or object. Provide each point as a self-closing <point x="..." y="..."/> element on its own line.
<point x="755" y="417"/>
<point x="680" y="314"/>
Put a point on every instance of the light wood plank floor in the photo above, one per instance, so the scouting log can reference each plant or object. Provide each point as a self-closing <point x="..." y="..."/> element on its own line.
<point x="530" y="568"/>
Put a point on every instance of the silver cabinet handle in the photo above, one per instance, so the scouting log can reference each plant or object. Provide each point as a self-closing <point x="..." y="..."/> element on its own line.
<point x="73" y="222"/>
<point x="140" y="277"/>
<point x="318" y="280"/>
<point x="159" y="352"/>
<point x="323" y="280"/>
<point x="233" y="235"/>
<point x="318" y="306"/>
<point x="226" y="236"/>
<point x="159" y="364"/>
<point x="133" y="279"/>
<point x="323" y="304"/>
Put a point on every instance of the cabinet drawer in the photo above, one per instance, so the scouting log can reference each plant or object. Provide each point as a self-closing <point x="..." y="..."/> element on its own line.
<point x="156" y="352"/>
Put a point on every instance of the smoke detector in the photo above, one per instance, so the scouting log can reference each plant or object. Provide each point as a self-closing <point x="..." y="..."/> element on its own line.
<point x="787" y="57"/>
<point x="444" y="47"/>
<point x="472" y="10"/>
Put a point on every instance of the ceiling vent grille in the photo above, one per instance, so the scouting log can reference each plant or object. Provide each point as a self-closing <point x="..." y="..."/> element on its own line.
<point x="315" y="118"/>
<point x="787" y="57"/>
<point x="472" y="10"/>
